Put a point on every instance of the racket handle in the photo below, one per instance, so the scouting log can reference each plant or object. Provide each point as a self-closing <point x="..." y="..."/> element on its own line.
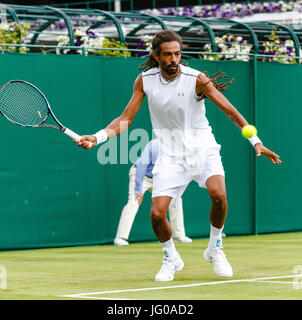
<point x="73" y="135"/>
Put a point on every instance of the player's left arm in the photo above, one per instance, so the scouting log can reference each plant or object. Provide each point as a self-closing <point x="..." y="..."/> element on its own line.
<point x="205" y="86"/>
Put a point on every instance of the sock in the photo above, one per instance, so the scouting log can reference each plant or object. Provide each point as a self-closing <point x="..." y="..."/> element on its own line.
<point x="215" y="238"/>
<point x="169" y="249"/>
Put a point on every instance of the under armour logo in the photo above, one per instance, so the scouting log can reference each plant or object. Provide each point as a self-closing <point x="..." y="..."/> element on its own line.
<point x="180" y="94"/>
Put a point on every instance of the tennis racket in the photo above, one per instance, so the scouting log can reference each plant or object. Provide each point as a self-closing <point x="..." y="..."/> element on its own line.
<point x="25" y="105"/>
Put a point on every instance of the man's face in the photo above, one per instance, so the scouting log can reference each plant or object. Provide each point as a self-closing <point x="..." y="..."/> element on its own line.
<point x="169" y="57"/>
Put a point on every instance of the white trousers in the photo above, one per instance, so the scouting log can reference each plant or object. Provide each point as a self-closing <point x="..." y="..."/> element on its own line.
<point x="131" y="208"/>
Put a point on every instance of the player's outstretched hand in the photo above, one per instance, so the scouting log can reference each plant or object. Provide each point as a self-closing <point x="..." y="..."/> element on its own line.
<point x="87" y="142"/>
<point x="272" y="156"/>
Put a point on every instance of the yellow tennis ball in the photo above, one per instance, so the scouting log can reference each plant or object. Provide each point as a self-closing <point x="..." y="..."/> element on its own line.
<point x="248" y="131"/>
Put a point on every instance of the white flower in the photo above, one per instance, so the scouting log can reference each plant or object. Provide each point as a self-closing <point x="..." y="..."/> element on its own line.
<point x="4" y="26"/>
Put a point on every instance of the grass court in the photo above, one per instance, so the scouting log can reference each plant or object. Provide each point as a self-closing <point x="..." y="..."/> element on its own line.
<point x="266" y="267"/>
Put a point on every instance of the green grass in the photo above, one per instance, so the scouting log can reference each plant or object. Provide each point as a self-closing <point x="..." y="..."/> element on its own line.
<point x="50" y="273"/>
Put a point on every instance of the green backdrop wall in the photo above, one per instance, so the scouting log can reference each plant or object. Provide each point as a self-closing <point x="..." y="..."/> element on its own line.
<point x="55" y="194"/>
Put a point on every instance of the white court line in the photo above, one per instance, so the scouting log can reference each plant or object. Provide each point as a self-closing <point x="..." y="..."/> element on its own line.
<point x="288" y="282"/>
<point x="85" y="295"/>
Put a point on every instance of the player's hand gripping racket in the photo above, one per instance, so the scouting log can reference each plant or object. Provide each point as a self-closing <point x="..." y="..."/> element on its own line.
<point x="25" y="105"/>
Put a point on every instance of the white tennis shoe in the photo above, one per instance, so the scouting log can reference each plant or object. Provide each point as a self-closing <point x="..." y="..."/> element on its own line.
<point x="168" y="269"/>
<point x="120" y="242"/>
<point x="218" y="258"/>
<point x="184" y="239"/>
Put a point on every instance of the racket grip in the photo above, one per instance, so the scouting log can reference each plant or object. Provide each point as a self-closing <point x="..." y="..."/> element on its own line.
<point x="73" y="135"/>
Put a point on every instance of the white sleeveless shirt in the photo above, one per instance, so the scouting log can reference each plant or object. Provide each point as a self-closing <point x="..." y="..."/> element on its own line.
<point x="178" y="120"/>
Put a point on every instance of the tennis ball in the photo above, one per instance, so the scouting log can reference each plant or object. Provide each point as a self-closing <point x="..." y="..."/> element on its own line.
<point x="248" y="131"/>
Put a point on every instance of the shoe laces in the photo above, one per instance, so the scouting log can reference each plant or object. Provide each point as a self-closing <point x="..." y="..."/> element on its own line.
<point x="168" y="265"/>
<point x="219" y="255"/>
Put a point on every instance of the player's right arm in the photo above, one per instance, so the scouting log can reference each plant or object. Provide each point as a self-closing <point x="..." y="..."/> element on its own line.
<point x="121" y="123"/>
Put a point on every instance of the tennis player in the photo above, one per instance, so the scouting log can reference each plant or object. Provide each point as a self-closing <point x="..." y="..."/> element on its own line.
<point x="141" y="180"/>
<point x="188" y="149"/>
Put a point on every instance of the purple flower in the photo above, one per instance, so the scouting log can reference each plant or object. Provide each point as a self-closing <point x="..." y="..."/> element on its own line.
<point x="91" y="34"/>
<point x="140" y="44"/>
<point x="228" y="10"/>
<point x="78" y="42"/>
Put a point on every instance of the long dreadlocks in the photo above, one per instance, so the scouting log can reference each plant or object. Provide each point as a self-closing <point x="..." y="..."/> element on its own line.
<point x="167" y="36"/>
<point x="219" y="86"/>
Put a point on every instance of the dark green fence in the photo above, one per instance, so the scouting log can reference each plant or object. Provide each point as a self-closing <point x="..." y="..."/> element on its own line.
<point x="55" y="194"/>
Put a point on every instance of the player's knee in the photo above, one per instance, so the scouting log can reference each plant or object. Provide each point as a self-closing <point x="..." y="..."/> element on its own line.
<point x="219" y="197"/>
<point x="157" y="215"/>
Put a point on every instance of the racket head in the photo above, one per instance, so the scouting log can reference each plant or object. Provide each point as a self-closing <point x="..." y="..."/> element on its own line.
<point x="23" y="104"/>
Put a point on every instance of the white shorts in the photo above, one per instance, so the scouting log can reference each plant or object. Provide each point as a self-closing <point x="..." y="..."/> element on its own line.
<point x="171" y="178"/>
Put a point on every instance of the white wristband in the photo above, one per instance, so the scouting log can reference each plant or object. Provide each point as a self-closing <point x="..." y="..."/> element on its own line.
<point x="254" y="139"/>
<point x="101" y="136"/>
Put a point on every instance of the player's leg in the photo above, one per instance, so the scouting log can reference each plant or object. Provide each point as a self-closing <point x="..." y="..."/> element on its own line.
<point x="214" y="253"/>
<point x="169" y="183"/>
<point x="212" y="177"/>
<point x="217" y="192"/>
<point x="160" y="223"/>
<point x="128" y="213"/>
<point x="177" y="223"/>
<point x="162" y="229"/>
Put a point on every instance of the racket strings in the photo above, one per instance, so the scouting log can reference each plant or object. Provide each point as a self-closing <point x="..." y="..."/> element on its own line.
<point x="23" y="104"/>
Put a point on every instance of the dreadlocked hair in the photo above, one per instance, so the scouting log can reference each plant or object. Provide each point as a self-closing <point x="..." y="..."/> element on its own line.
<point x="219" y="86"/>
<point x="159" y="38"/>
